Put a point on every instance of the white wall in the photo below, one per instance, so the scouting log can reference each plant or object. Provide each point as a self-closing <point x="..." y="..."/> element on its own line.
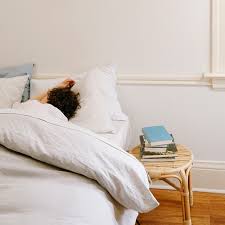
<point x="142" y="37"/>
<point x="195" y="115"/>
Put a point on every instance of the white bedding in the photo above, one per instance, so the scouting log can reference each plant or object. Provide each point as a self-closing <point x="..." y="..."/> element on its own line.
<point x="36" y="193"/>
<point x="121" y="137"/>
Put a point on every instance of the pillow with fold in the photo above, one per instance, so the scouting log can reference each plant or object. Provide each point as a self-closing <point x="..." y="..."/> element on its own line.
<point x="102" y="80"/>
<point x="11" y="90"/>
<point x="20" y="70"/>
<point x="93" y="114"/>
<point x="97" y="99"/>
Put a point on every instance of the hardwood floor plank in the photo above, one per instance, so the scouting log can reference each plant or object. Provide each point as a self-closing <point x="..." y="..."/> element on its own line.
<point x="216" y="220"/>
<point x="208" y="209"/>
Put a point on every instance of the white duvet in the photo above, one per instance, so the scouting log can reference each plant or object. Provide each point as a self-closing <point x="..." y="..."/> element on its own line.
<point x="76" y="150"/>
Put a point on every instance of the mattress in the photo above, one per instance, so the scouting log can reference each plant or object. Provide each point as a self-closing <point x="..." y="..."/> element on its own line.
<point x="122" y="136"/>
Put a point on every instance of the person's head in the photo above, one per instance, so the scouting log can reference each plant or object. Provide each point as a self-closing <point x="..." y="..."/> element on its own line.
<point x="65" y="100"/>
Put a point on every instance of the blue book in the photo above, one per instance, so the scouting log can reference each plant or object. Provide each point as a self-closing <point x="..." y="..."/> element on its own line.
<point x="157" y="135"/>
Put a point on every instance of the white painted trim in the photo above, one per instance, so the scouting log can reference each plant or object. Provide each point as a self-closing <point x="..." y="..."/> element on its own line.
<point x="215" y="36"/>
<point x="209" y="165"/>
<point x="214" y="80"/>
<point x="215" y="76"/>
<point x="166" y="187"/>
<point x="163" y="79"/>
<point x="219" y="191"/>
<point x="127" y="77"/>
<point x="217" y="57"/>
<point x="166" y="82"/>
<point x="146" y="79"/>
<point x="217" y="80"/>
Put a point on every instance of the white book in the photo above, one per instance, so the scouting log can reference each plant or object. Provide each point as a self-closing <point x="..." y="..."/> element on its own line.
<point x="159" y="160"/>
<point x="149" y="149"/>
<point x="158" y="156"/>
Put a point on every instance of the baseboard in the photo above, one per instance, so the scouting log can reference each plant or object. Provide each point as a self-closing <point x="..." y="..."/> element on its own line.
<point x="209" y="165"/>
<point x="166" y="187"/>
<point x="208" y="176"/>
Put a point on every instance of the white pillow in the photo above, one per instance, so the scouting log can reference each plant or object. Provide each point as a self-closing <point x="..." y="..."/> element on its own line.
<point x="103" y="81"/>
<point x="38" y="86"/>
<point x="93" y="113"/>
<point x="98" y="98"/>
<point x="11" y="90"/>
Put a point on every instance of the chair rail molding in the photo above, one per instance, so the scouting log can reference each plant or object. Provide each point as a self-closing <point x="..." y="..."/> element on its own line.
<point x="145" y="79"/>
<point x="163" y="79"/>
<point x="217" y="80"/>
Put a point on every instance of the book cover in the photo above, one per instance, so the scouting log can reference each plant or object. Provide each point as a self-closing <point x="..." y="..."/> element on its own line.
<point x="157" y="135"/>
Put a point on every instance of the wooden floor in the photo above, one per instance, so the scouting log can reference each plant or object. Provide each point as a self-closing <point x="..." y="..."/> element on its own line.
<point x="208" y="209"/>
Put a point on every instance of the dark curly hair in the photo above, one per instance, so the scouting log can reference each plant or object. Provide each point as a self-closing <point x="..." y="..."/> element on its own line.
<point x="65" y="100"/>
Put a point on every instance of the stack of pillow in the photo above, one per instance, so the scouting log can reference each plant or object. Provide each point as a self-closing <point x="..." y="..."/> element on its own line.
<point x="97" y="88"/>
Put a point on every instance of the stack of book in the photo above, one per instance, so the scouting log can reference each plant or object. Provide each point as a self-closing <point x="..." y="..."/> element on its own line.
<point x="157" y="145"/>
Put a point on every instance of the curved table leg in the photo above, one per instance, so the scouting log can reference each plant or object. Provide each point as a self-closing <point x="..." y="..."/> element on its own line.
<point x="180" y="189"/>
<point x="190" y="188"/>
<point x="185" y="198"/>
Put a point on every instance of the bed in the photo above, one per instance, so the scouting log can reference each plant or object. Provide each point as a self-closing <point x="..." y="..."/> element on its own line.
<point x="58" y="173"/>
<point x="32" y="192"/>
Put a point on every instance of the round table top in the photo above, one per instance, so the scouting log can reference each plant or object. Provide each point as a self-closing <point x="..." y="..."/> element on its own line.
<point x="183" y="161"/>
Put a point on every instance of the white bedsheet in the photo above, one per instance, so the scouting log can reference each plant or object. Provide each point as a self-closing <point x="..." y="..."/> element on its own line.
<point x="121" y="137"/>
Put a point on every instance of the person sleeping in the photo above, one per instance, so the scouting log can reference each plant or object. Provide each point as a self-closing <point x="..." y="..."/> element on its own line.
<point x="60" y="102"/>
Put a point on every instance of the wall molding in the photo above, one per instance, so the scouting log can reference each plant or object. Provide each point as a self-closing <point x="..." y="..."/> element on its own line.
<point x="217" y="55"/>
<point x="164" y="79"/>
<point x="209" y="165"/>
<point x="214" y="80"/>
<point x="217" y="80"/>
<point x="215" y="36"/>
<point x="209" y="190"/>
<point x="146" y="79"/>
<point x="216" y="77"/>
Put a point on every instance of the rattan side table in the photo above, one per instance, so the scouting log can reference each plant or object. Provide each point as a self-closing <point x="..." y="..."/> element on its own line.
<point x="179" y="169"/>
